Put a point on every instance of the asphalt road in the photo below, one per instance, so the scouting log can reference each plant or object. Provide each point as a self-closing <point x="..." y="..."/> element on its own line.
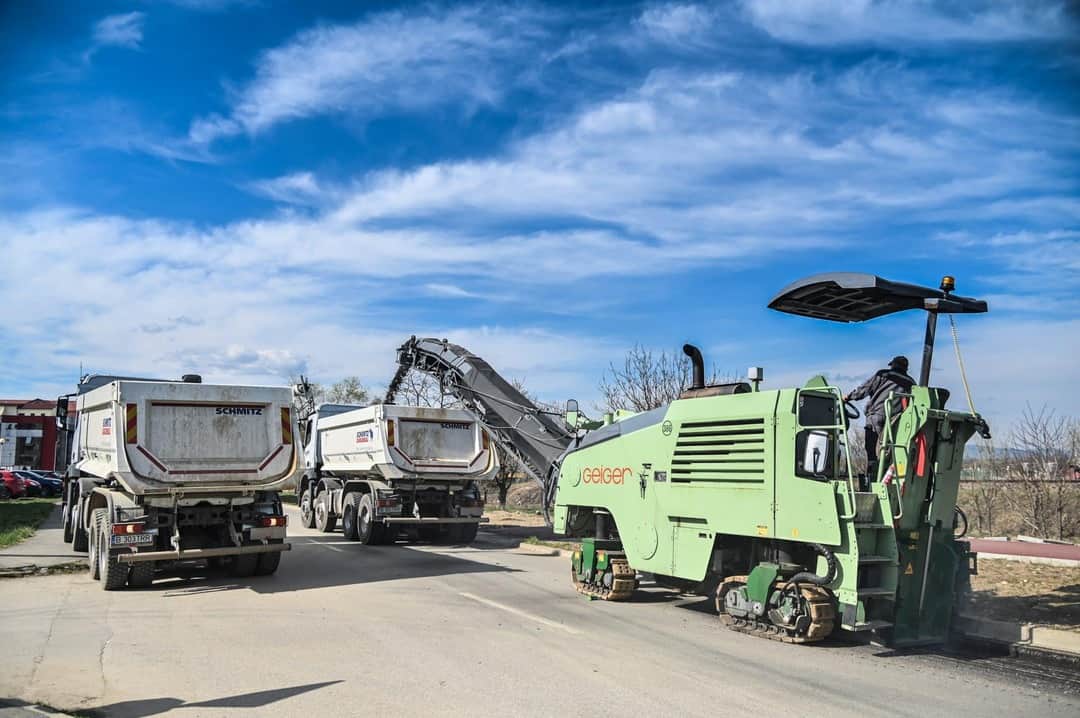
<point x="349" y="630"/>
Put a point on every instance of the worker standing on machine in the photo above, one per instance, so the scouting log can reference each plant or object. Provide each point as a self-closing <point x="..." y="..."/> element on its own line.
<point x="877" y="388"/>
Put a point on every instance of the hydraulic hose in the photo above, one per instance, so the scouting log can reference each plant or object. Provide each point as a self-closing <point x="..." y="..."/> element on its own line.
<point x="810" y="576"/>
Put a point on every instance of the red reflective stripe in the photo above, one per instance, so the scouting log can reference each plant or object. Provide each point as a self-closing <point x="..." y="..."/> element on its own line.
<point x="153" y="460"/>
<point x="286" y="426"/>
<point x="132" y="434"/>
<point x="270" y="458"/>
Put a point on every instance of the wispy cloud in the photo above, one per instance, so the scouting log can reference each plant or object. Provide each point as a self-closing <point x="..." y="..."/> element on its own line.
<point x="387" y="61"/>
<point x="888" y="22"/>
<point x="122" y="30"/>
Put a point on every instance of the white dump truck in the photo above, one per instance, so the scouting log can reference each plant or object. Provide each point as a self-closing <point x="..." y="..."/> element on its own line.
<point x="392" y="471"/>
<point x="171" y="471"/>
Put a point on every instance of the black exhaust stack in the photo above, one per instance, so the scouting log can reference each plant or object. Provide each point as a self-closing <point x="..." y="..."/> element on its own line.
<point x="699" y="365"/>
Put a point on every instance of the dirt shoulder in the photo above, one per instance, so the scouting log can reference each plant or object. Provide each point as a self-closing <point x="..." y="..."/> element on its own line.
<point x="1026" y="593"/>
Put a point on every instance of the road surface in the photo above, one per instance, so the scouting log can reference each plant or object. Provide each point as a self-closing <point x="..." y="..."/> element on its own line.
<point x="349" y="630"/>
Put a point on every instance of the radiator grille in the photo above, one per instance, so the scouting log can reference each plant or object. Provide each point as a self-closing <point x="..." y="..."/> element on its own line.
<point x="728" y="451"/>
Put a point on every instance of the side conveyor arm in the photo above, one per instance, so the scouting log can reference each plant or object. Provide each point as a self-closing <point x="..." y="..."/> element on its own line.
<point x="533" y="437"/>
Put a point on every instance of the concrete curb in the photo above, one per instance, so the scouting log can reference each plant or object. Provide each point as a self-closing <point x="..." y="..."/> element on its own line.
<point x="1019" y="634"/>
<point x="1029" y="559"/>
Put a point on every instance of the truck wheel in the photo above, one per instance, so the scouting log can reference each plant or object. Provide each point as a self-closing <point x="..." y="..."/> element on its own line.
<point x="243" y="565"/>
<point x="464" y="533"/>
<point x="324" y="520"/>
<point x="80" y="540"/>
<point x="368" y="530"/>
<point x="390" y="534"/>
<point x="268" y="562"/>
<point x="113" y="573"/>
<point x="307" y="510"/>
<point x="348" y="515"/>
<point x="142" y="574"/>
<point x="92" y="555"/>
<point x="69" y="534"/>
<point x="430" y="534"/>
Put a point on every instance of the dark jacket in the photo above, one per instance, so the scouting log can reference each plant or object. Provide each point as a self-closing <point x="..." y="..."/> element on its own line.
<point x="877" y="388"/>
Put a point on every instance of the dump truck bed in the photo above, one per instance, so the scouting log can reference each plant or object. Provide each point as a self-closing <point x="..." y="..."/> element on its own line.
<point x="405" y="442"/>
<point x="163" y="436"/>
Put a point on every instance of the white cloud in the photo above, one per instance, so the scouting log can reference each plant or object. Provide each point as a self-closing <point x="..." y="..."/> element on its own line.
<point x="301" y="188"/>
<point x="122" y="30"/>
<point x="386" y="61"/>
<point x="675" y="22"/>
<point x="905" y="22"/>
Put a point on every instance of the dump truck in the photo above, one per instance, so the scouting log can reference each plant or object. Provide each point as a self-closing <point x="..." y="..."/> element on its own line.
<point x="164" y="472"/>
<point x="392" y="472"/>
<point x="748" y="494"/>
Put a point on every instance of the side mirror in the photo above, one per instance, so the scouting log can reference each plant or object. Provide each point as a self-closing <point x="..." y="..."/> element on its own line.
<point x="571" y="415"/>
<point x="816" y="455"/>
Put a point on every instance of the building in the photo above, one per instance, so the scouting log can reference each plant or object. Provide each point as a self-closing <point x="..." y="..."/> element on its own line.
<point x="29" y="436"/>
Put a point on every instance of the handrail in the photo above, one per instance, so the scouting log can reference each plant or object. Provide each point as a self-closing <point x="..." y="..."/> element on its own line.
<point x="842" y="428"/>
<point x="889" y="440"/>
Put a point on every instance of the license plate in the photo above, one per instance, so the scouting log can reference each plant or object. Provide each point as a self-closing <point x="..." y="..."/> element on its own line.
<point x="145" y="539"/>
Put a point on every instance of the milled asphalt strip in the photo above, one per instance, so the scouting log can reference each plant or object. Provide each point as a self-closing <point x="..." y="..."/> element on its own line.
<point x="522" y="614"/>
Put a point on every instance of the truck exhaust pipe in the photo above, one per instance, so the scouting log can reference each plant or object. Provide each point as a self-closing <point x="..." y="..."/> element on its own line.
<point x="699" y="365"/>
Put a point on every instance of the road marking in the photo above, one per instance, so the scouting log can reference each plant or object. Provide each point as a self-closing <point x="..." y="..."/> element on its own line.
<point x="325" y="545"/>
<point x="523" y="614"/>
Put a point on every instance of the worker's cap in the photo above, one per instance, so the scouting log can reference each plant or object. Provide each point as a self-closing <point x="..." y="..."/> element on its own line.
<point x="900" y="363"/>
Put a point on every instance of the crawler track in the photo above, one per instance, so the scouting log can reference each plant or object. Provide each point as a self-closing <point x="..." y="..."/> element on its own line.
<point x="623" y="583"/>
<point x="818" y="601"/>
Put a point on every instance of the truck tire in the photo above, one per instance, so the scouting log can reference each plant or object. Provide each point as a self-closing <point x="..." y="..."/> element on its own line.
<point x="142" y="574"/>
<point x="69" y="533"/>
<point x="349" y="512"/>
<point x="114" y="575"/>
<point x="92" y="555"/>
<point x="5" y="493"/>
<point x="244" y="565"/>
<point x="307" y="510"/>
<point x="324" y="520"/>
<point x="268" y="562"/>
<point x="368" y="530"/>
<point x="80" y="540"/>
<point x="464" y="533"/>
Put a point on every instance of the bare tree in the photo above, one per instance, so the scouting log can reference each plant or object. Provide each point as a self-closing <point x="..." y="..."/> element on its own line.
<point x="349" y="390"/>
<point x="986" y="487"/>
<point x="1043" y="500"/>
<point x="420" y="389"/>
<point x="647" y="380"/>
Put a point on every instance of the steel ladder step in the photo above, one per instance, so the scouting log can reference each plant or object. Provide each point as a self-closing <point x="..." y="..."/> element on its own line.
<point x="872" y="526"/>
<point x="877" y="592"/>
<point x="870" y="626"/>
<point x="871" y="558"/>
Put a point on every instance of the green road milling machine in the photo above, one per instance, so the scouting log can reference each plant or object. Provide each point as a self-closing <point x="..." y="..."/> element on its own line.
<point x="748" y="494"/>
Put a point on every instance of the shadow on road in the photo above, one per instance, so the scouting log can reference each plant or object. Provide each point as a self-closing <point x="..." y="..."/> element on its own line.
<point x="157" y="706"/>
<point x="323" y="561"/>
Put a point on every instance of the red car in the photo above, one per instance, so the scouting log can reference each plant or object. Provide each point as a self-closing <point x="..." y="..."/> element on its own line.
<point x="12" y="486"/>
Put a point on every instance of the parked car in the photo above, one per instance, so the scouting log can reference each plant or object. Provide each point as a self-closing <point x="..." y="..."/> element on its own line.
<point x="12" y="486"/>
<point x="50" y="485"/>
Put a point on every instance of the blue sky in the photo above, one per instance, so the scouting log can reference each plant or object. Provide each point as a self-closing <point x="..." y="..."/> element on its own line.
<point x="252" y="190"/>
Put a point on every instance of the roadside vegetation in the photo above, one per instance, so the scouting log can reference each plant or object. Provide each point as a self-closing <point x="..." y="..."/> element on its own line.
<point x="19" y="519"/>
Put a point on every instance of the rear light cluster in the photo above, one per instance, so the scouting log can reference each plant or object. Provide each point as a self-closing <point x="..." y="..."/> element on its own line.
<point x="388" y="503"/>
<point x="273" y="521"/>
<point x="121" y="529"/>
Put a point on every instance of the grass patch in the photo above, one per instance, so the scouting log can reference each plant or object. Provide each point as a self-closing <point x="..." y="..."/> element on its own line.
<point x="566" y="545"/>
<point x="20" y="518"/>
